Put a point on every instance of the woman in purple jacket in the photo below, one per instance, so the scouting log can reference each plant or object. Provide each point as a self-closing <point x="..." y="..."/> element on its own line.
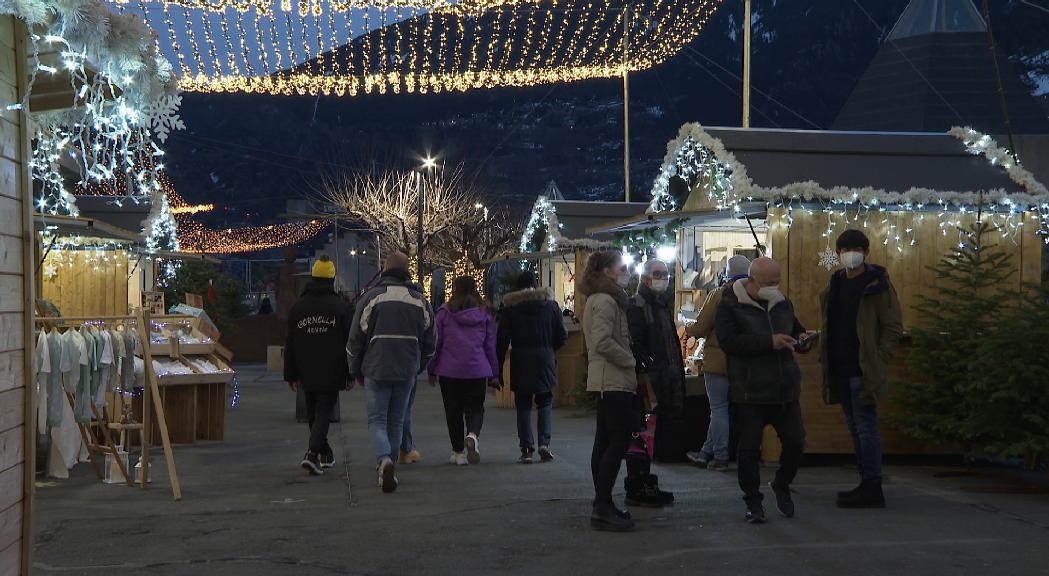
<point x="465" y="363"/>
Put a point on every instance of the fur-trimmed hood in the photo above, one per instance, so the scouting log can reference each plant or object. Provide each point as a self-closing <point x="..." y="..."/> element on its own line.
<point x="605" y="285"/>
<point x="527" y="295"/>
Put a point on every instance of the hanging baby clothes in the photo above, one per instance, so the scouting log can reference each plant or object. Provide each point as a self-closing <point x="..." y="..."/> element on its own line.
<point x="66" y="444"/>
<point x="96" y="362"/>
<point x="41" y="371"/>
<point x="118" y="360"/>
<point x="127" y="370"/>
<point x="105" y="367"/>
<point x="55" y="394"/>
<point x="88" y="375"/>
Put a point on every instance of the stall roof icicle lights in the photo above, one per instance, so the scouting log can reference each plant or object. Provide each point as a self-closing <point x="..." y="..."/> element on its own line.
<point x="356" y="46"/>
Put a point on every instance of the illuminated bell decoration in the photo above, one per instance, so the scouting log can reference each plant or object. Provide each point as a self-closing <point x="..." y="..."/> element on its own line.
<point x="349" y="47"/>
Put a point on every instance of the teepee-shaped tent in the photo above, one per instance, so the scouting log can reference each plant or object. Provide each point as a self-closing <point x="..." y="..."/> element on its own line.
<point x="935" y="71"/>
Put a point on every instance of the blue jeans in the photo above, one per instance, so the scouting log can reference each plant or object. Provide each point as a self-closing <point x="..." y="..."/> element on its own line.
<point x="387" y="405"/>
<point x="862" y="421"/>
<point x="544" y="407"/>
<point x="716" y="445"/>
<point x="407" y="442"/>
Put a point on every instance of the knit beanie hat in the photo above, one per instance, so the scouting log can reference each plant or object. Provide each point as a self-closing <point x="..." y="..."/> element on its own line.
<point x="323" y="268"/>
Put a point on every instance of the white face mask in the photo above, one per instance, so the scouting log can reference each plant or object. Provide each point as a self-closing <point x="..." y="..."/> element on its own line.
<point x="852" y="260"/>
<point x="623" y="279"/>
<point x="660" y="286"/>
<point x="770" y="293"/>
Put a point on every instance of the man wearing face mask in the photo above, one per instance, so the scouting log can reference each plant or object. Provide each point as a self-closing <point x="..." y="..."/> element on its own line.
<point x="758" y="331"/>
<point x="655" y="344"/>
<point x="862" y="322"/>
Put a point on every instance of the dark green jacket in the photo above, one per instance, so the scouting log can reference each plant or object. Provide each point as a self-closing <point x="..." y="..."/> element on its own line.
<point x="878" y="325"/>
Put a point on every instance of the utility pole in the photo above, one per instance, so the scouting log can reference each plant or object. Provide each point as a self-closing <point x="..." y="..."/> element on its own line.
<point x="746" y="63"/>
<point x="626" y="102"/>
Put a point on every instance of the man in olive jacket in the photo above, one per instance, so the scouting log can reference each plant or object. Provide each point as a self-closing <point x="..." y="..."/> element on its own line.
<point x="758" y="331"/>
<point x="862" y="323"/>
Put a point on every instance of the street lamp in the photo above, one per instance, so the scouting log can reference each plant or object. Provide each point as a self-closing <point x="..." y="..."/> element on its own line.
<point x="357" y="266"/>
<point x="428" y="163"/>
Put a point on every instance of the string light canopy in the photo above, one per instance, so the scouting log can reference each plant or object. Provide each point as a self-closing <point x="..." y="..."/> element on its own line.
<point x="349" y="47"/>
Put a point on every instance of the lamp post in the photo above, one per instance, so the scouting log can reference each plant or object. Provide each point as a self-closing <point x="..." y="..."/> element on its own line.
<point x="428" y="163"/>
<point x="357" y="266"/>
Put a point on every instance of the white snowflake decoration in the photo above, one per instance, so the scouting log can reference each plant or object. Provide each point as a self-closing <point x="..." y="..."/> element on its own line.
<point x="829" y="259"/>
<point x="162" y="116"/>
<point x="50" y="271"/>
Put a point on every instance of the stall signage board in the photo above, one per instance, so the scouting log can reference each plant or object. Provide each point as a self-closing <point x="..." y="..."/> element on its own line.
<point x="154" y="302"/>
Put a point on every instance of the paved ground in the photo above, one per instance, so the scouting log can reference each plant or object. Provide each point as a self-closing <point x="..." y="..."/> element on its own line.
<point x="249" y="509"/>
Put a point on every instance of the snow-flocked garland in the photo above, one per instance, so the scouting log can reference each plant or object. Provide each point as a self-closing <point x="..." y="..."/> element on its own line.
<point x="672" y="166"/>
<point x="544" y="218"/>
<point x="978" y="143"/>
<point x="743" y="189"/>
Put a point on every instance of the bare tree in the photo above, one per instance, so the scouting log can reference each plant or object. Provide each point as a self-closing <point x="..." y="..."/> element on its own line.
<point x="387" y="201"/>
<point x="487" y="235"/>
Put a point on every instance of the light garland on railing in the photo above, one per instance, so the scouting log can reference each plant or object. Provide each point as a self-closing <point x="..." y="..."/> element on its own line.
<point x="330" y="47"/>
<point x="192" y="209"/>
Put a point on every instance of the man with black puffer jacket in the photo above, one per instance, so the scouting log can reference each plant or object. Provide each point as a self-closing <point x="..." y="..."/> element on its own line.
<point x="758" y="331"/>
<point x="314" y="358"/>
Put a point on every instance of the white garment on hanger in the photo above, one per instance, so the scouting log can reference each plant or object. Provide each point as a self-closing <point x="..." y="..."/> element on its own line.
<point x="72" y="351"/>
<point x="41" y="370"/>
<point x="107" y="349"/>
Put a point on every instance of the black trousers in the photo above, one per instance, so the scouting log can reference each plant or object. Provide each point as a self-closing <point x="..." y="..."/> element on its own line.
<point x="616" y="422"/>
<point x="319" y="409"/>
<point x="463" y="408"/>
<point x="751" y="420"/>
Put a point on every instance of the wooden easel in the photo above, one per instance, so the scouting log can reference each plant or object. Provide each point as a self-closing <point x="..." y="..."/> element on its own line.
<point x="151" y="405"/>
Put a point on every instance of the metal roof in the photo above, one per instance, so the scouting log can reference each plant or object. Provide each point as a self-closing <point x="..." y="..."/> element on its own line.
<point x="575" y="217"/>
<point x="892" y="161"/>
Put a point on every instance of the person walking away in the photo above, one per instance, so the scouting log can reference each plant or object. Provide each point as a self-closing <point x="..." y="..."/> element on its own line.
<point x="715" y="453"/>
<point x="756" y="327"/>
<point x="318" y="329"/>
<point x="391" y="342"/>
<point x="657" y="353"/>
<point x="465" y="363"/>
<point x="610" y="373"/>
<point x="532" y="328"/>
<point x="862" y="322"/>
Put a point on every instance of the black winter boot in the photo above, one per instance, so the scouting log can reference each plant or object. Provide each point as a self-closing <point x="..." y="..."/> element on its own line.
<point x="652" y="482"/>
<point x="869" y="495"/>
<point x="641" y="492"/>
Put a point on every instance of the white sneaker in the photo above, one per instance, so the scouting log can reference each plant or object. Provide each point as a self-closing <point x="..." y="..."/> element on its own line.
<point x="387" y="479"/>
<point x="473" y="454"/>
<point x="458" y="459"/>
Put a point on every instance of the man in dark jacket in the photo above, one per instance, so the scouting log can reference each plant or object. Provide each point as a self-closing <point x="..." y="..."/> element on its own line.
<point x="862" y="324"/>
<point x="758" y="331"/>
<point x="657" y="350"/>
<point x="530" y="321"/>
<point x="391" y="341"/>
<point x="318" y="329"/>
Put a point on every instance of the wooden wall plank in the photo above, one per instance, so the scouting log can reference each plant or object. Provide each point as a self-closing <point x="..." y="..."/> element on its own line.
<point x="7" y="33"/>
<point x="9" y="136"/>
<point x="9" y="178"/>
<point x="9" y="93"/>
<point x="11" y="332"/>
<point x="12" y="444"/>
<point x="11" y="294"/>
<point x="11" y="557"/>
<point x="10" y="255"/>
<point x="10" y="527"/>
<point x="11" y="370"/>
<point x="10" y="217"/>
<point x="10" y="486"/>
<point x="12" y="414"/>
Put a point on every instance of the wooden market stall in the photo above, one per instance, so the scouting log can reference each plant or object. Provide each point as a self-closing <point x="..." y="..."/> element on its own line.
<point x="556" y="243"/>
<point x="793" y="192"/>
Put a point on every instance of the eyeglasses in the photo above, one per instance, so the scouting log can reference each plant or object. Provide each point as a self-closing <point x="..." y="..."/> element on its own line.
<point x="660" y="275"/>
